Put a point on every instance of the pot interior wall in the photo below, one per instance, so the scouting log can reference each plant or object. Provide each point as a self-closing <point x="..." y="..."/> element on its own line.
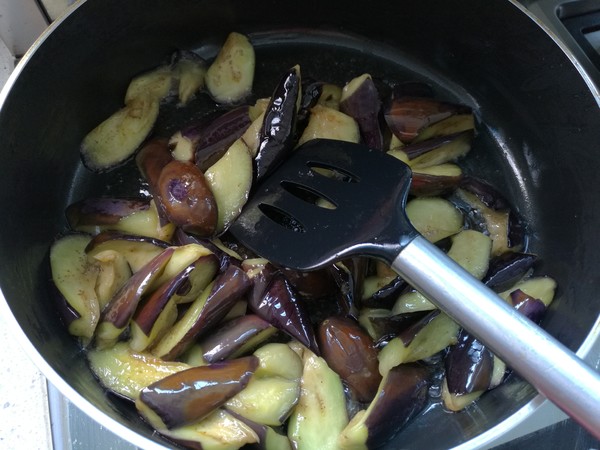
<point x="539" y="126"/>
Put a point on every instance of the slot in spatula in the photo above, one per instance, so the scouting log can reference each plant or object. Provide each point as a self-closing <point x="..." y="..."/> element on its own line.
<point x="332" y="199"/>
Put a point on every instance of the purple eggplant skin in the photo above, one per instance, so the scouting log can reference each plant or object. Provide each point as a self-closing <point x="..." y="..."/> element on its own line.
<point x="469" y="365"/>
<point x="109" y="235"/>
<point x="282" y="308"/>
<point x="530" y="307"/>
<point x="187" y="199"/>
<point x="408" y="334"/>
<point x="363" y="104"/>
<point x="278" y="132"/>
<point x="387" y="328"/>
<point x="180" y="237"/>
<point x="103" y="210"/>
<point x="180" y="285"/>
<point x="231" y="336"/>
<point x="407" y="115"/>
<point x="433" y="185"/>
<point x="420" y="148"/>
<point x="387" y="295"/>
<point x="121" y="308"/>
<point x="229" y="286"/>
<point x="488" y="195"/>
<point x="402" y="395"/>
<point x="214" y="140"/>
<point x="506" y="269"/>
<point x="268" y="438"/>
<point x="311" y="91"/>
<point x="188" y="396"/>
<point x="350" y="352"/>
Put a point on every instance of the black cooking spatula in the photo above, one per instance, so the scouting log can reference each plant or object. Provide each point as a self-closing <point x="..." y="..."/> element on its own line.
<point x="333" y="199"/>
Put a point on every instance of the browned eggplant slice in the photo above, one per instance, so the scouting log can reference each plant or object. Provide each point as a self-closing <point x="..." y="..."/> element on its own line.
<point x="360" y="100"/>
<point x="75" y="279"/>
<point x="436" y="180"/>
<point x="119" y="311"/>
<point x="321" y="413"/>
<point x="508" y="268"/>
<point x="204" y="313"/>
<point x="402" y="394"/>
<point x="350" y="352"/>
<point x="187" y="198"/>
<point x="187" y="396"/>
<point x="125" y="372"/>
<point x="158" y="312"/>
<point x="230" y="77"/>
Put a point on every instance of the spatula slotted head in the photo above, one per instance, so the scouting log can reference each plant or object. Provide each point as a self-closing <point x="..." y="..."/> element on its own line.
<point x="329" y="200"/>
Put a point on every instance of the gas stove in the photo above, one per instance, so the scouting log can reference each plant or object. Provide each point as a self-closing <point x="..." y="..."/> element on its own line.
<point x="575" y="25"/>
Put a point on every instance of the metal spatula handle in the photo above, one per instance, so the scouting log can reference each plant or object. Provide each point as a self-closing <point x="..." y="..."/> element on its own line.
<point x="548" y="365"/>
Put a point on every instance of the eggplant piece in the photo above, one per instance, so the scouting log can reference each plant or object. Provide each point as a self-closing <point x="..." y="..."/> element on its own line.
<point x="311" y="91"/>
<point x="220" y="430"/>
<point x="486" y="193"/>
<point x="530" y="307"/>
<point x="508" y="268"/>
<point x="274" y="389"/>
<point x="320" y="415"/>
<point x="119" y="311"/>
<point x="156" y="84"/>
<point x="230" y="77"/>
<point x="382" y="325"/>
<point x="495" y="222"/>
<point x="540" y="288"/>
<point x="190" y="395"/>
<point x="75" y="279"/>
<point x="190" y="71"/>
<point x="434" y="337"/>
<point x="235" y="338"/>
<point x="469" y="365"/>
<point x="125" y="372"/>
<point x="279" y="125"/>
<point x="407" y="116"/>
<point x="350" y="352"/>
<point x="151" y="160"/>
<point x="411" y="302"/>
<point x="402" y="394"/>
<point x="360" y="100"/>
<point x="230" y="180"/>
<point x="329" y="123"/>
<point x="187" y="198"/>
<point x="281" y="307"/>
<point x="436" y="180"/>
<point x="456" y="123"/>
<point x="204" y="313"/>
<point x="102" y="211"/>
<point x="313" y="285"/>
<point x="471" y="250"/>
<point x="435" y="218"/>
<point x="382" y="291"/>
<point x="117" y="138"/>
<point x="215" y="139"/>
<point x="331" y="95"/>
<point x="130" y="216"/>
<point x="158" y="312"/>
<point x="113" y="272"/>
<point x="268" y="438"/>
<point x="439" y="150"/>
<point x="137" y="250"/>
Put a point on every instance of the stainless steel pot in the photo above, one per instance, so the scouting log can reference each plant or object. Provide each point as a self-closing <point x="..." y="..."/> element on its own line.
<point x="539" y="133"/>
